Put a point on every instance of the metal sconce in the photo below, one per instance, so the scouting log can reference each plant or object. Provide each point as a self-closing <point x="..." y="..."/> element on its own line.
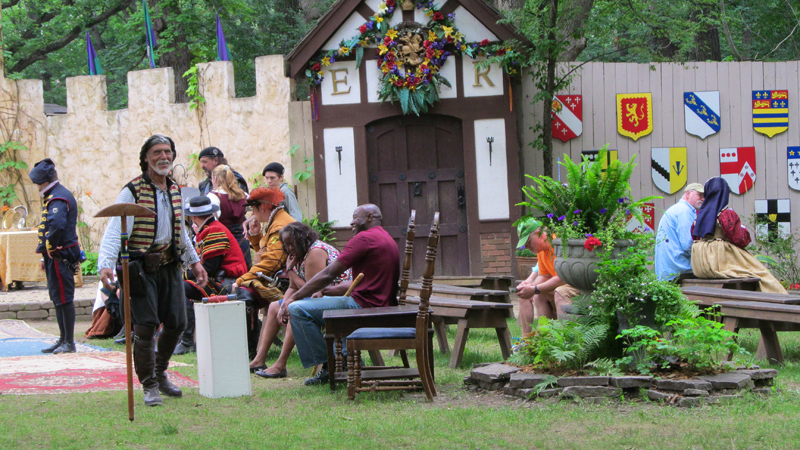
<point x="490" y="140"/>
<point x="339" y="153"/>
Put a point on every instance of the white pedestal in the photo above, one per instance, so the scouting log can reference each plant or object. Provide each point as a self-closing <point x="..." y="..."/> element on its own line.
<point x="222" y="360"/>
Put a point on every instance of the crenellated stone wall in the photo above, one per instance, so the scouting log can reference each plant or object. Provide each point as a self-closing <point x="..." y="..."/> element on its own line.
<point x="96" y="150"/>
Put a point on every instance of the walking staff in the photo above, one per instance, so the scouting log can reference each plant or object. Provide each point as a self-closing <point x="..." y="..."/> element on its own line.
<point x="123" y="211"/>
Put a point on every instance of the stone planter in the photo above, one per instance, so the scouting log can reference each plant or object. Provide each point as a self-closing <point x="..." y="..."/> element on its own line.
<point x="576" y="266"/>
<point x="525" y="264"/>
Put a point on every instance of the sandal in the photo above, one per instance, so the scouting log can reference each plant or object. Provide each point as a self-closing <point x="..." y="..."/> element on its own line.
<point x="257" y="368"/>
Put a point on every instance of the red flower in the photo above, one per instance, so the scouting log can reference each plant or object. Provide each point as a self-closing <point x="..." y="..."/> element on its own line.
<point x="390" y="56"/>
<point x="363" y="28"/>
<point x="437" y="16"/>
<point x="429" y="53"/>
<point x="426" y="43"/>
<point x="386" y="40"/>
<point x="591" y="243"/>
<point x="390" y="3"/>
<point x="398" y="82"/>
<point x="501" y="52"/>
<point x="450" y="39"/>
<point x="484" y="42"/>
<point x="316" y="67"/>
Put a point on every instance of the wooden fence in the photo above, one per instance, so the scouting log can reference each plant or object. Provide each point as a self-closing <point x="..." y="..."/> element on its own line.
<point x="599" y="83"/>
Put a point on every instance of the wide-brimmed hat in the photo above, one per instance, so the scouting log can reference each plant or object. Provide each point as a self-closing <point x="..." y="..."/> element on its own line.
<point x="200" y="206"/>
<point x="525" y="228"/>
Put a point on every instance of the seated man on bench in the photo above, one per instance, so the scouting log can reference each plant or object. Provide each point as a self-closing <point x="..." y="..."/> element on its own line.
<point x="221" y="256"/>
<point x="543" y="289"/>
<point x="372" y="252"/>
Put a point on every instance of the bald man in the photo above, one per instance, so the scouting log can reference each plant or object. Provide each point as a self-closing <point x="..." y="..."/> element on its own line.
<point x="372" y="252"/>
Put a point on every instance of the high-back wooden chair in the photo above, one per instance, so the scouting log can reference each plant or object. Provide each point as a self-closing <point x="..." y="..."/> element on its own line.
<point x="418" y="338"/>
<point x="405" y="275"/>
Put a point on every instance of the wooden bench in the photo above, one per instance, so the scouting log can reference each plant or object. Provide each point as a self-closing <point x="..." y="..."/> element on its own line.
<point x="495" y="282"/>
<point x="769" y="317"/>
<point x="444" y="290"/>
<point x="742" y="284"/>
<point x="467" y="314"/>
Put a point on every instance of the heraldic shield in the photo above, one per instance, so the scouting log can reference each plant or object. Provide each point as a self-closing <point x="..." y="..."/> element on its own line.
<point x="594" y="157"/>
<point x="649" y="216"/>
<point x="701" y="113"/>
<point x="737" y="166"/>
<point x="770" y="112"/>
<point x="793" y="163"/>
<point x="635" y="115"/>
<point x="567" y="117"/>
<point x="774" y="218"/>
<point x="669" y="168"/>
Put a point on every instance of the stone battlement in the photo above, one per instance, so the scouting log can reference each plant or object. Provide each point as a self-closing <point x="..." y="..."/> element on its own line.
<point x="96" y="151"/>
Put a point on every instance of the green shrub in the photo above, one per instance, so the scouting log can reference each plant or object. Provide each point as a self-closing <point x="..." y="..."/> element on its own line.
<point x="325" y="229"/>
<point x="559" y="344"/>
<point x="525" y="253"/>
<point x="89" y="267"/>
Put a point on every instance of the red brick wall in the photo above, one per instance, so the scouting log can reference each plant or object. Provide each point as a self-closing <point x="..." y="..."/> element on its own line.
<point x="496" y="253"/>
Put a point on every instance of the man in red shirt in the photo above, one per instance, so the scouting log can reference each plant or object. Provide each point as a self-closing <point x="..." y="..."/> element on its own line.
<point x="372" y="252"/>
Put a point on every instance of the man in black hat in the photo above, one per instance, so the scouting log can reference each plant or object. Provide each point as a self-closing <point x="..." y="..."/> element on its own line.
<point x="273" y="174"/>
<point x="209" y="158"/>
<point x="157" y="246"/>
<point x="220" y="255"/>
<point x="61" y="253"/>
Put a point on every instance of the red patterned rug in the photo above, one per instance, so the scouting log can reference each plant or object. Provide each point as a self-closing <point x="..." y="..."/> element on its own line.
<point x="76" y="381"/>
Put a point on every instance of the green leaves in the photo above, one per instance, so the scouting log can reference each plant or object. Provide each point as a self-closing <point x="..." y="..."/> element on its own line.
<point x="359" y="56"/>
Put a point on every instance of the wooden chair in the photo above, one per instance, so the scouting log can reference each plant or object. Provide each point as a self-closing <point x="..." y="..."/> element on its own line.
<point x="418" y="338"/>
<point x="340" y="323"/>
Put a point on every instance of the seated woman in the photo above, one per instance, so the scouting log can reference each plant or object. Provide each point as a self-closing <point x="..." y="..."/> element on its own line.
<point x="232" y="202"/>
<point x="720" y="240"/>
<point x="307" y="256"/>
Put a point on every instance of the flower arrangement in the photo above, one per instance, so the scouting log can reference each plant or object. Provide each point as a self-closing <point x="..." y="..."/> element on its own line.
<point x="416" y="86"/>
<point x="593" y="201"/>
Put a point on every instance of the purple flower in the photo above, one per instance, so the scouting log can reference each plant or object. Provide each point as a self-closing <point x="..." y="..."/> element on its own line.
<point x="562" y="218"/>
<point x="627" y="211"/>
<point x="550" y="216"/>
<point x="575" y="223"/>
<point x="603" y="210"/>
<point x="577" y="211"/>
<point x="620" y="200"/>
<point x="588" y="235"/>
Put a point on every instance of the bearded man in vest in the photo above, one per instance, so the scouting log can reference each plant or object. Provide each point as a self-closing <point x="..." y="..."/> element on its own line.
<point x="158" y="246"/>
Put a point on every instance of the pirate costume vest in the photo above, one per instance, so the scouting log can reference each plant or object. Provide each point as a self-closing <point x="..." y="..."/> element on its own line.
<point x="144" y="228"/>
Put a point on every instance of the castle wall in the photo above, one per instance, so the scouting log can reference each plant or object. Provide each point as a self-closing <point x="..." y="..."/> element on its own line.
<point x="96" y="151"/>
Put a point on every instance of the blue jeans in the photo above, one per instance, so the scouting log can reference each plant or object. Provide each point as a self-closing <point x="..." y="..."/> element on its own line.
<point x="306" y="319"/>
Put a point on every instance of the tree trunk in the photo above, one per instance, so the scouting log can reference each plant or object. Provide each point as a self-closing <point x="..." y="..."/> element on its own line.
<point x="571" y="25"/>
<point x="707" y="40"/>
<point x="178" y="57"/>
<point x="550" y="85"/>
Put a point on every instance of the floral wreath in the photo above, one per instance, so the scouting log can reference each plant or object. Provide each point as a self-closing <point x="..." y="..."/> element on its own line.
<point x="417" y="86"/>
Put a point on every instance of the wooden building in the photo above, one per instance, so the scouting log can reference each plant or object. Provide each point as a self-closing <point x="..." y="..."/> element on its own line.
<point x="461" y="158"/>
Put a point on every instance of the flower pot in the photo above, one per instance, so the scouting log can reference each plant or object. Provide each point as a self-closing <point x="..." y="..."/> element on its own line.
<point x="577" y="266"/>
<point x="525" y="264"/>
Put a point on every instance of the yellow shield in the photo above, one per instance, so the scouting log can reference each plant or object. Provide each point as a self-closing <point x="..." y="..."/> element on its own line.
<point x="635" y="115"/>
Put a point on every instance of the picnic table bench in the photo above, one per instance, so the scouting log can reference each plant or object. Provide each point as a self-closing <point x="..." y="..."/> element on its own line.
<point x="467" y="314"/>
<point x="768" y="317"/>
<point x="710" y="296"/>
<point x="496" y="282"/>
<point x="742" y="284"/>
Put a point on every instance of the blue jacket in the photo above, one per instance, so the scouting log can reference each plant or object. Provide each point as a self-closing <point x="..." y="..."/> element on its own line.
<point x="674" y="241"/>
<point x="59" y="225"/>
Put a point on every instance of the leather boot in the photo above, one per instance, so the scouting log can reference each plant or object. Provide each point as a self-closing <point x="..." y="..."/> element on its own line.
<point x="167" y="341"/>
<point x="66" y="347"/>
<point x="53" y="347"/>
<point x="144" y="362"/>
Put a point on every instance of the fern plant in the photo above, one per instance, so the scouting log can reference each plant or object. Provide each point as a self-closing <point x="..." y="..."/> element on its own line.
<point x="559" y="344"/>
<point x="593" y="198"/>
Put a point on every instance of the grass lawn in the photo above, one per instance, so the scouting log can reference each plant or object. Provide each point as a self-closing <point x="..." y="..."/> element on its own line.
<point x="285" y="414"/>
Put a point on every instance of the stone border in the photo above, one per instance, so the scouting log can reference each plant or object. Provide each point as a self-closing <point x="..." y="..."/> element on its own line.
<point x="44" y="310"/>
<point x="707" y="389"/>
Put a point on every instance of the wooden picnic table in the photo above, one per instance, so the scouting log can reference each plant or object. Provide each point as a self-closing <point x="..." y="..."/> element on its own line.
<point x="710" y="296"/>
<point x="768" y="317"/>
<point x="444" y="290"/>
<point x="494" y="282"/>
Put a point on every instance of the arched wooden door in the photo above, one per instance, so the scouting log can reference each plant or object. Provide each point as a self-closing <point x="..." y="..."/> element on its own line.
<point x="418" y="163"/>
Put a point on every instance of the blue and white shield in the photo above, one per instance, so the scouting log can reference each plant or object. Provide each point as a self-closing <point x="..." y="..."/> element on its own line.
<point x="701" y="112"/>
